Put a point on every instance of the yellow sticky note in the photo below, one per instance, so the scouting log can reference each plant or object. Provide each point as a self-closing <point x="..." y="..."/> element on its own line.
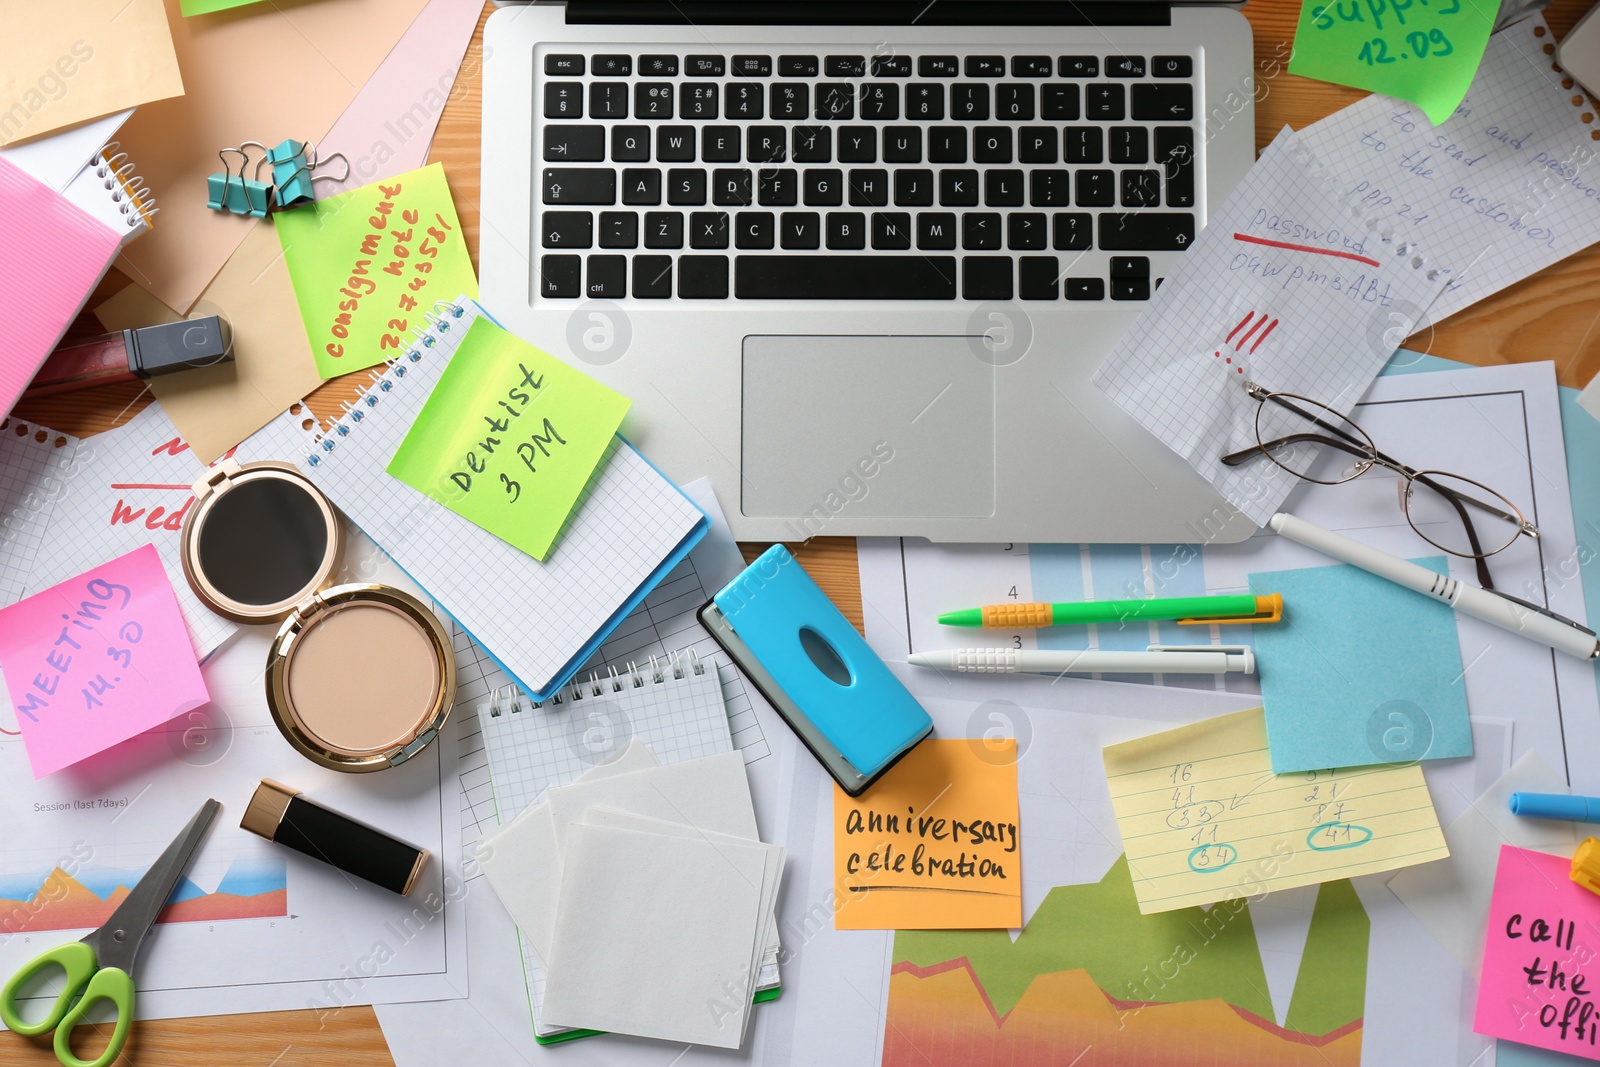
<point x="369" y="265"/>
<point x="1204" y="819"/>
<point x="933" y="844"/>
<point x="509" y="437"/>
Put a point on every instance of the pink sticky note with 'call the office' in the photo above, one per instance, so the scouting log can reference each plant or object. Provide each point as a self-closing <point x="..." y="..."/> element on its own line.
<point x="1541" y="958"/>
<point x="98" y="659"/>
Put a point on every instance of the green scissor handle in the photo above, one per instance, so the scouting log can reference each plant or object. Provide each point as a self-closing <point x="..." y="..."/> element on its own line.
<point x="79" y="961"/>
<point x="110" y="983"/>
<point x="76" y="958"/>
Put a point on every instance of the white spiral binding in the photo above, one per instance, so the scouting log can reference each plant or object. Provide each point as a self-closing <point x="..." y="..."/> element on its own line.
<point x="128" y="189"/>
<point x="509" y="700"/>
<point x="1374" y="222"/>
<point x="369" y="395"/>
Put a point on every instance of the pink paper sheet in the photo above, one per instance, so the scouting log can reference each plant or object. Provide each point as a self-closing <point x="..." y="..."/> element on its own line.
<point x="1541" y="958"/>
<point x="98" y="659"/>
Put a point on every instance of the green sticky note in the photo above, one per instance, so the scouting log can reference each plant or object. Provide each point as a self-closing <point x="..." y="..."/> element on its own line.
<point x="1424" y="51"/>
<point x="369" y="264"/>
<point x="509" y="438"/>
<point x="206" y="7"/>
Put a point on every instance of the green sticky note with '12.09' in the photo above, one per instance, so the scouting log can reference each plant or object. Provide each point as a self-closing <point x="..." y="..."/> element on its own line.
<point x="369" y="265"/>
<point x="1424" y="51"/>
<point x="509" y="438"/>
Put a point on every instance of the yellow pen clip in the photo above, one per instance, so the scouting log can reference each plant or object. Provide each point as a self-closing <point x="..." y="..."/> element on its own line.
<point x="1269" y="608"/>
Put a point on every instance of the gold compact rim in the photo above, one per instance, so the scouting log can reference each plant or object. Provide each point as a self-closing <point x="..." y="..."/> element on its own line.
<point x="213" y="486"/>
<point x="301" y="736"/>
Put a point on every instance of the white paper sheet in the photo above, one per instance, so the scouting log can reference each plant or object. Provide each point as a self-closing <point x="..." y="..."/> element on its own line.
<point x="1451" y="897"/>
<point x="680" y="917"/>
<point x="57" y="159"/>
<point x="1291" y="285"/>
<point x="1501" y="190"/>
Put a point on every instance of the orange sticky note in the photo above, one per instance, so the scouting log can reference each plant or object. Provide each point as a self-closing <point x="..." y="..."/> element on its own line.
<point x="933" y="844"/>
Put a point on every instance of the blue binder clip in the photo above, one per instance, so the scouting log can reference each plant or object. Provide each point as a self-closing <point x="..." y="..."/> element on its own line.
<point x="239" y="195"/>
<point x="815" y="669"/>
<point x="293" y="163"/>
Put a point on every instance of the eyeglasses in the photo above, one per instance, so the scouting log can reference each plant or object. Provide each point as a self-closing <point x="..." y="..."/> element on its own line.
<point x="1453" y="513"/>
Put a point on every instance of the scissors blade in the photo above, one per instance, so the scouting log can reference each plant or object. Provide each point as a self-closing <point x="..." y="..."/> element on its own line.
<point x="117" y="942"/>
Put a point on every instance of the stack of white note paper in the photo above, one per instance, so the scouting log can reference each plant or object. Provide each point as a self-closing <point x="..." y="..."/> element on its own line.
<point x="648" y="896"/>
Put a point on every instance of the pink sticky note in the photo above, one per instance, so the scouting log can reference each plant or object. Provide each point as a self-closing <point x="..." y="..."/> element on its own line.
<point x="1541" y="958"/>
<point x="98" y="659"/>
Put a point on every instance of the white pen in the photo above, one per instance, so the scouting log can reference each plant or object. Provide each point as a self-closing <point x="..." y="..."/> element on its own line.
<point x="1160" y="659"/>
<point x="1492" y="608"/>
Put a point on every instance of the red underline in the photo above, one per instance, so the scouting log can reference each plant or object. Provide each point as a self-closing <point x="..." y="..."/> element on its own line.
<point x="1306" y="248"/>
<point x="147" y="485"/>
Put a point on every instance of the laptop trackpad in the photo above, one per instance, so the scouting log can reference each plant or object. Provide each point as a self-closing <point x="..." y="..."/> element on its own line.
<point x="868" y="426"/>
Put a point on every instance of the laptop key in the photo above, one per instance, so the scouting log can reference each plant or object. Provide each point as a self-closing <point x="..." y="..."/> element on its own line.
<point x="845" y="66"/>
<point x="969" y="102"/>
<point x="797" y="66"/>
<point x="613" y="66"/>
<point x="1027" y="231"/>
<point x="986" y="66"/>
<point x="652" y="100"/>
<point x="1096" y="188"/>
<point x="935" y="66"/>
<point x="570" y="65"/>
<point x="1058" y="101"/>
<point x="708" y="229"/>
<point x="1172" y="102"/>
<point x="936" y="230"/>
<point x="698" y="100"/>
<point x="705" y="66"/>
<point x="641" y="186"/>
<point x="925" y="101"/>
<point x="777" y="187"/>
<point x="703" y="277"/>
<point x="686" y="187"/>
<point x="880" y="100"/>
<point x="1130" y="144"/>
<point x="1050" y="188"/>
<point x="891" y="66"/>
<point x="1175" y="152"/>
<point x="619" y="229"/>
<point x="1036" y="144"/>
<point x="836" y="101"/>
<point x="1103" y="102"/>
<point x="608" y="100"/>
<point x="658" y="66"/>
<point x="1078" y="67"/>
<point x="1072" y="231"/>
<point x="742" y="100"/>
<point x="847" y="229"/>
<point x="752" y="66"/>
<point x="559" y="276"/>
<point x="947" y="144"/>
<point x="1130" y="266"/>
<point x="958" y="188"/>
<point x="891" y="231"/>
<point x="800" y="230"/>
<point x="574" y="144"/>
<point x="1167" y="67"/>
<point x="732" y="188"/>
<point x="869" y="188"/>
<point x="812" y="144"/>
<point x="607" y="278"/>
<point x="563" y="100"/>
<point x="1130" y="288"/>
<point x="1038" y="278"/>
<point x="1141" y="231"/>
<point x="913" y="188"/>
<point x="1031" y="67"/>
<point x="652" y="277"/>
<point x="791" y="101"/>
<point x="1082" y="144"/>
<point x="1086" y="288"/>
<point x="580" y="185"/>
<point x="986" y="278"/>
<point x="902" y="144"/>
<point x="823" y="187"/>
<point x="566" y="229"/>
<point x="980" y="231"/>
<point x="1124" y="66"/>
<point x="1013" y="102"/>
<point x="675" y="144"/>
<point x="991" y="144"/>
<point x="754" y="229"/>
<point x="719" y="144"/>
<point x="766" y="144"/>
<point x="1002" y="188"/>
<point x="630" y="144"/>
<point x="1141" y="188"/>
<point x="663" y="229"/>
<point x="858" y="144"/>
<point x="788" y="277"/>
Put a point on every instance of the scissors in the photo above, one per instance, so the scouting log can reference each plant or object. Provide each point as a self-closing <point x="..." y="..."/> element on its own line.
<point x="100" y="967"/>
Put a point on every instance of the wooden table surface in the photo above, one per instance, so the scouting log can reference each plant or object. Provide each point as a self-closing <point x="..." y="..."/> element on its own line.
<point x="1553" y="315"/>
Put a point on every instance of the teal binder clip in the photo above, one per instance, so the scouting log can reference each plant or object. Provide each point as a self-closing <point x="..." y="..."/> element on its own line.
<point x="815" y="669"/>
<point x="293" y="163"/>
<point x="239" y="195"/>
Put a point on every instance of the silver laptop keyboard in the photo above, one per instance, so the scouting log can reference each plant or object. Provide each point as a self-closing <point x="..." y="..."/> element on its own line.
<point x="852" y="177"/>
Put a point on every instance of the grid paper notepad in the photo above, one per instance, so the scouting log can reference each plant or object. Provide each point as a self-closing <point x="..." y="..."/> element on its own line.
<point x="534" y="747"/>
<point x="1203" y="818"/>
<point x="1294" y="284"/>
<point x="540" y="620"/>
<point x="1501" y="190"/>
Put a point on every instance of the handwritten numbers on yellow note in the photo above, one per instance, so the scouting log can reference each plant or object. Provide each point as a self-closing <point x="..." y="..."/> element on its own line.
<point x="1203" y="818"/>
<point x="933" y="844"/>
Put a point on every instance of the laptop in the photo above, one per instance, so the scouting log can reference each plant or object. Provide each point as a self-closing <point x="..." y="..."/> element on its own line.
<point x="857" y="261"/>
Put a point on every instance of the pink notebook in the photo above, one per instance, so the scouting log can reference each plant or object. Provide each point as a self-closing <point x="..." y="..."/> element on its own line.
<point x="52" y="255"/>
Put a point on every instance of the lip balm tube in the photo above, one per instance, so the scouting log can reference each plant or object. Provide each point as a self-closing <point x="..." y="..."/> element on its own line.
<point x="283" y="815"/>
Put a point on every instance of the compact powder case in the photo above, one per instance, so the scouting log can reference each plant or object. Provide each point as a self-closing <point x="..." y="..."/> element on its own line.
<point x="360" y="677"/>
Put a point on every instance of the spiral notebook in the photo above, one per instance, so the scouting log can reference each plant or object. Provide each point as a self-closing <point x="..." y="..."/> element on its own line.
<point x="674" y="706"/>
<point x="539" y="621"/>
<point x="54" y="249"/>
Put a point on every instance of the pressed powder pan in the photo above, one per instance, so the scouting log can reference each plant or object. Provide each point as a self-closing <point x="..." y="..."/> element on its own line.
<point x="360" y="677"/>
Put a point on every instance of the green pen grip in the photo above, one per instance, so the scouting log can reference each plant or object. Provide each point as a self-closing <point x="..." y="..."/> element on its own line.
<point x="1177" y="607"/>
<point x="113" y="984"/>
<point x="76" y="958"/>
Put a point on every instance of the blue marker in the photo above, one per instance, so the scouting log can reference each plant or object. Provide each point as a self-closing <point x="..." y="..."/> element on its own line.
<point x="1556" y="806"/>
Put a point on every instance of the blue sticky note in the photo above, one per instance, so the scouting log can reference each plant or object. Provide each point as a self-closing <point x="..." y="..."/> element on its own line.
<point x="1510" y="1054"/>
<point x="1360" y="671"/>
